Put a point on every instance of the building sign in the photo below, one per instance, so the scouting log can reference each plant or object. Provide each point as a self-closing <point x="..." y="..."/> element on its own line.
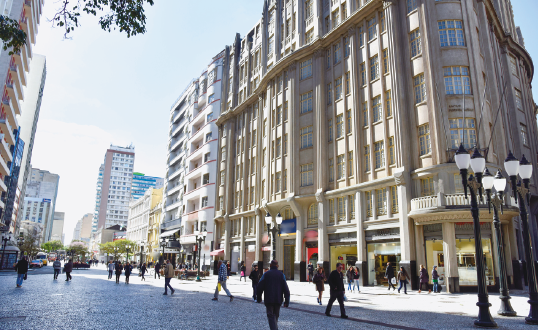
<point x="119" y="235"/>
<point x="288" y="226"/>
<point x="46" y="200"/>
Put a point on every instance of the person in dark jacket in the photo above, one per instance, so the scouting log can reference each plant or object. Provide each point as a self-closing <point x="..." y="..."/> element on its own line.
<point x="255" y="278"/>
<point x="424" y="278"/>
<point x="319" y="281"/>
<point x="128" y="269"/>
<point x="228" y="269"/>
<point x="243" y="271"/>
<point x="435" y="280"/>
<point x="337" y="290"/>
<point x="68" y="268"/>
<point x="143" y="271"/>
<point x="273" y="285"/>
<point x="22" y="269"/>
<point x="157" y="270"/>
<point x="356" y="277"/>
<point x="310" y="272"/>
<point x="119" y="268"/>
<point x="349" y="277"/>
<point x="389" y="275"/>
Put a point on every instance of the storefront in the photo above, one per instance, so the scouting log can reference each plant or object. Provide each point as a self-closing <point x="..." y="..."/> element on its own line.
<point x="383" y="246"/>
<point x="433" y="238"/>
<point x="312" y="252"/>
<point x="235" y="257"/>
<point x="465" y="253"/>
<point x="343" y="249"/>
<point x="289" y="258"/>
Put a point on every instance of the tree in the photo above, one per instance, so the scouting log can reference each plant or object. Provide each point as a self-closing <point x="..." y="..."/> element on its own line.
<point x="11" y="34"/>
<point x="78" y="248"/>
<point x="52" y="246"/>
<point x="111" y="249"/>
<point x="30" y="245"/>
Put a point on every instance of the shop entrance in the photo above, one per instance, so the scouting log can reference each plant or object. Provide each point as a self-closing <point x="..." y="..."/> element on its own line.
<point x="378" y="256"/>
<point x="289" y="258"/>
<point x="346" y="254"/>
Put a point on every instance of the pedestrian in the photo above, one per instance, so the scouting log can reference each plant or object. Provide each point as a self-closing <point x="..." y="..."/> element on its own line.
<point x="243" y="271"/>
<point x="157" y="270"/>
<point x="349" y="277"/>
<point x="275" y="289"/>
<point x="255" y="278"/>
<point x="110" y="269"/>
<point x="143" y="271"/>
<point x="22" y="268"/>
<point x="68" y="268"/>
<point x="389" y="275"/>
<point x="119" y="268"/>
<point x="228" y="269"/>
<point x="310" y="272"/>
<point x="319" y="281"/>
<point x="402" y="278"/>
<point x="57" y="265"/>
<point x="424" y="278"/>
<point x="356" y="277"/>
<point x="222" y="281"/>
<point x="128" y="269"/>
<point x="435" y="280"/>
<point x="337" y="290"/>
<point x="168" y="274"/>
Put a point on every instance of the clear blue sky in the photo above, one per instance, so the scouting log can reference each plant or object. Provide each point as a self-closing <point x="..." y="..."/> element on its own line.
<point x="104" y="88"/>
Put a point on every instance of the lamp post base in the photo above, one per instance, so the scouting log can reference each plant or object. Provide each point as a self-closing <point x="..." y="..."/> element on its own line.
<point x="506" y="308"/>
<point x="533" y="313"/>
<point x="484" y="317"/>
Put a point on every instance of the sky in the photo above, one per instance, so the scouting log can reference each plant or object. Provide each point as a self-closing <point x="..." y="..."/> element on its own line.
<point x="104" y="88"/>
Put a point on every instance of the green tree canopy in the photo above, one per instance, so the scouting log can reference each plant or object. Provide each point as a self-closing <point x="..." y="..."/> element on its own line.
<point x="119" y="247"/>
<point x="78" y="248"/>
<point x="30" y="245"/>
<point x="52" y="246"/>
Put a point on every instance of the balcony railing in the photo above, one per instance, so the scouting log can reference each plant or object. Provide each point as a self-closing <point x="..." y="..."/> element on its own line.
<point x="424" y="202"/>
<point x="442" y="200"/>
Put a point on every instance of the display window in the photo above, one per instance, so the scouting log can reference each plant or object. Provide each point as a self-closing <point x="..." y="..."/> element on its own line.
<point x="379" y="254"/>
<point x="465" y="255"/>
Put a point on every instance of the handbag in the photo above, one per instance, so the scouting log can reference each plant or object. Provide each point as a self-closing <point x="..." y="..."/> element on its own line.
<point x="393" y="280"/>
<point x="242" y="273"/>
<point x="219" y="287"/>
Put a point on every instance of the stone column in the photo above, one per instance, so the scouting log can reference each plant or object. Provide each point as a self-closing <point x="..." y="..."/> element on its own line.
<point x="407" y="245"/>
<point x="421" y="257"/>
<point x="452" y="279"/>
<point x="323" y="238"/>
<point x="299" y="262"/>
<point x="258" y="256"/>
<point x="227" y="231"/>
<point x="242" y="254"/>
<point x="362" y="255"/>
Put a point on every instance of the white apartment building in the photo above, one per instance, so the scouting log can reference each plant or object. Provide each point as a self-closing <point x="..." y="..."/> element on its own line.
<point x="98" y="188"/>
<point x="192" y="170"/>
<point x="138" y="222"/>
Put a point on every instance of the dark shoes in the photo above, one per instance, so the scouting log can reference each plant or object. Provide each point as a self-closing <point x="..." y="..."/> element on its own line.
<point x="215" y="299"/>
<point x="231" y="298"/>
<point x="328" y="314"/>
<point x="173" y="291"/>
<point x="344" y="316"/>
<point x="165" y="294"/>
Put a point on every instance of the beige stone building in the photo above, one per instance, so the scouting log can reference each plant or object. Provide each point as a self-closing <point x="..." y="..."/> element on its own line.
<point x="344" y="117"/>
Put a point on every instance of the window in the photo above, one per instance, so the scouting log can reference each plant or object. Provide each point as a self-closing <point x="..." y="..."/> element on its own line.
<point x="337" y="53"/>
<point x="341" y="169"/>
<point x="456" y="79"/>
<point x="271" y="45"/>
<point x="207" y="156"/>
<point x="285" y="181"/>
<point x="204" y="201"/>
<point x="385" y="61"/>
<point x="367" y="158"/>
<point x="348" y="86"/>
<point x="238" y="148"/>
<point x="328" y="58"/>
<point x="223" y="153"/>
<point x="339" y="126"/>
<point x="392" y="159"/>
<point x="285" y="111"/>
<point x="363" y="73"/>
<point x="306" y="69"/>
<point x="253" y="138"/>
<point x="427" y="187"/>
<point x="208" y="137"/>
<point x="309" y="36"/>
<point x="414" y="38"/>
<point x="277" y="182"/>
<point x="211" y="98"/>
<point x="458" y="185"/>
<point x="376" y="107"/>
<point x="331" y="211"/>
<point x="263" y="188"/>
<point x="341" y="209"/>
<point x="372" y="30"/>
<point x="329" y="93"/>
<point x="351" y="199"/>
<point x="347" y="47"/>
<point x="278" y="147"/>
<point x="222" y="177"/>
<point x="309" y="9"/>
<point x="381" y="200"/>
<point x="265" y="127"/>
<point x="374" y="67"/>
<point x="209" y="117"/>
<point x="273" y="150"/>
<point x="331" y="170"/>
<point x="306" y="137"/>
<point x="523" y="132"/>
<point x="424" y="139"/>
<point x="313" y="214"/>
<point x="388" y="103"/>
<point x="307" y="175"/>
<point x="519" y="104"/>
<point x="279" y="115"/>
<point x="459" y="133"/>
<point x="368" y="198"/>
<point x="205" y="178"/>
<point x="350" y="163"/>
<point x="327" y="24"/>
<point x="513" y="65"/>
<point x="348" y="119"/>
<point x="394" y="199"/>
<point x="411" y="5"/>
<point x="211" y="76"/>
<point x="285" y="144"/>
<point x="451" y="33"/>
<point x="361" y="39"/>
<point x="336" y="18"/>
<point x="306" y="102"/>
<point x="264" y="156"/>
<point x="420" y="88"/>
<point x="365" y="114"/>
<point x="253" y="165"/>
<point x="221" y="203"/>
<point x="344" y="11"/>
<point x="379" y="149"/>
<point x="330" y="130"/>
<point x="338" y="89"/>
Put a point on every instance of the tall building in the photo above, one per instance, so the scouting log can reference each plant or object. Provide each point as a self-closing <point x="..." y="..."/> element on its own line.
<point x="58" y="227"/>
<point x="114" y="188"/>
<point x="192" y="167"/>
<point x="343" y="117"/>
<point x="40" y="200"/>
<point x="83" y="228"/>
<point x="141" y="183"/>
<point x="15" y="68"/>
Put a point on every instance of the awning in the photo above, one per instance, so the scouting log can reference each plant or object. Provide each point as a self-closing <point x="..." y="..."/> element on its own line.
<point x="168" y="233"/>
<point x="216" y="252"/>
<point x="266" y="248"/>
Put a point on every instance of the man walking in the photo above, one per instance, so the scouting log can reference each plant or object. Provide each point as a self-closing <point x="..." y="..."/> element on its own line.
<point x="255" y="278"/>
<point x="310" y="272"/>
<point x="22" y="269"/>
<point x="168" y="274"/>
<point x="110" y="269"/>
<point x="57" y="265"/>
<point x="336" y="283"/>
<point x="68" y="267"/>
<point x="223" y="272"/>
<point x="157" y="270"/>
<point x="389" y="275"/>
<point x="273" y="283"/>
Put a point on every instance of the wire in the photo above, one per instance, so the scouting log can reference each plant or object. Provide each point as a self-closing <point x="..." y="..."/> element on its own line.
<point x="496" y="118"/>
<point x="481" y="113"/>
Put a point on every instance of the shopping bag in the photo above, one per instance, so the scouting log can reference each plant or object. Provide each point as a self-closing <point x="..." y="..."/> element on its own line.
<point x="393" y="280"/>
<point x="219" y="286"/>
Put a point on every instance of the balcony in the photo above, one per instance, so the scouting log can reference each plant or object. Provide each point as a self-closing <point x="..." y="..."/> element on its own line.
<point x="175" y="189"/>
<point x="4" y="169"/>
<point x="173" y="206"/>
<point x="7" y="130"/>
<point x="10" y="112"/>
<point x="175" y="174"/>
<point x="18" y="80"/>
<point x="31" y="21"/>
<point x="174" y="159"/>
<point x="4" y="149"/>
<point x="13" y="94"/>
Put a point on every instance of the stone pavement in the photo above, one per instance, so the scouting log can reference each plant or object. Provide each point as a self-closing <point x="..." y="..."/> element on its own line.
<point x="91" y="301"/>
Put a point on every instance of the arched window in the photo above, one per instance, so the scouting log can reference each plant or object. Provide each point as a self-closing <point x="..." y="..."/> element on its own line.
<point x="287" y="214"/>
<point x="313" y="214"/>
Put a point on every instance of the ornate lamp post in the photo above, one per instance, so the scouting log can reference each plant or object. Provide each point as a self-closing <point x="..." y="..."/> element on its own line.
<point x="478" y="163"/>
<point x="521" y="193"/>
<point x="5" y="239"/>
<point x="164" y="242"/>
<point x="200" y="237"/>
<point x="274" y="230"/>
<point x="499" y="182"/>
<point x="128" y="249"/>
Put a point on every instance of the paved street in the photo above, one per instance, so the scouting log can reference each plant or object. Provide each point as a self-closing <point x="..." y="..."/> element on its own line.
<point x="91" y="301"/>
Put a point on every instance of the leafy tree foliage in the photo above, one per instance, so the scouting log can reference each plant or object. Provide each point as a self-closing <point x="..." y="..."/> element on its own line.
<point x="11" y="34"/>
<point x="118" y="248"/>
<point x="30" y="245"/>
<point x="78" y="248"/>
<point x="52" y="246"/>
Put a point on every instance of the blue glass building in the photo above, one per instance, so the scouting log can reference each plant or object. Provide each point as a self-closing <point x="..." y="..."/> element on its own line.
<point x="141" y="183"/>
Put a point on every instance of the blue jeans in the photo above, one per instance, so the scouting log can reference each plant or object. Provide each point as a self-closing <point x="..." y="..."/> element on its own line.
<point x="404" y="283"/>
<point x="349" y="285"/>
<point x="254" y="290"/>
<point x="435" y="287"/>
<point x="357" y="284"/>
<point x="20" y="278"/>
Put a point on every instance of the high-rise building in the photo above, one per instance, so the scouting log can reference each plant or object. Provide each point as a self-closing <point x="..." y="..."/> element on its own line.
<point x="58" y="227"/>
<point x="114" y="188"/>
<point x="141" y="183"/>
<point x="343" y="117"/>
<point x="83" y="228"/>
<point x="192" y="167"/>
<point x="40" y="200"/>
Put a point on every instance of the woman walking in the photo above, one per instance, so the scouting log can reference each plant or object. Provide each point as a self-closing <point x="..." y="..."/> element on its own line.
<point x="143" y="271"/>
<point x="402" y="278"/>
<point x="68" y="268"/>
<point x="319" y="281"/>
<point x="243" y="271"/>
<point x="119" y="268"/>
<point x="349" y="276"/>
<point x="128" y="269"/>
<point x="356" y="277"/>
<point x="435" y="280"/>
<point x="424" y="278"/>
<point x="255" y="278"/>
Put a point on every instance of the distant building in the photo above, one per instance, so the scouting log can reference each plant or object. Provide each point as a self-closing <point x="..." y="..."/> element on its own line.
<point x="141" y="183"/>
<point x="58" y="227"/>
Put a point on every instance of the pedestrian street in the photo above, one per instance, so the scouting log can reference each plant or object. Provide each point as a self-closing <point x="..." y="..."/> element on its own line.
<point x="91" y="301"/>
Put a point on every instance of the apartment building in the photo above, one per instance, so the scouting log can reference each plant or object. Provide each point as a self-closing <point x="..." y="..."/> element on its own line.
<point x="192" y="168"/>
<point x="58" y="227"/>
<point x="343" y="117"/>
<point x="141" y="183"/>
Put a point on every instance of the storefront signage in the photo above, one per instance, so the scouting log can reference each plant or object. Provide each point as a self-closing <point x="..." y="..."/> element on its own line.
<point x="288" y="226"/>
<point x="390" y="233"/>
<point x="171" y="250"/>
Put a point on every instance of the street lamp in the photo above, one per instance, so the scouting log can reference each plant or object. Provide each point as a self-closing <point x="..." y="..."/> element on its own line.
<point x="200" y="237"/>
<point x="478" y="163"/>
<point x="163" y="243"/>
<point x="5" y="239"/>
<point x="128" y="249"/>
<point x="521" y="194"/>
<point x="499" y="183"/>
<point x="141" y="249"/>
<point x="274" y="230"/>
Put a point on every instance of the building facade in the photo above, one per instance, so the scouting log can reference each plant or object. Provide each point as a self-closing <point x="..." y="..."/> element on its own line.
<point x="58" y="227"/>
<point x="141" y="183"/>
<point x="344" y="118"/>
<point x="151" y="249"/>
